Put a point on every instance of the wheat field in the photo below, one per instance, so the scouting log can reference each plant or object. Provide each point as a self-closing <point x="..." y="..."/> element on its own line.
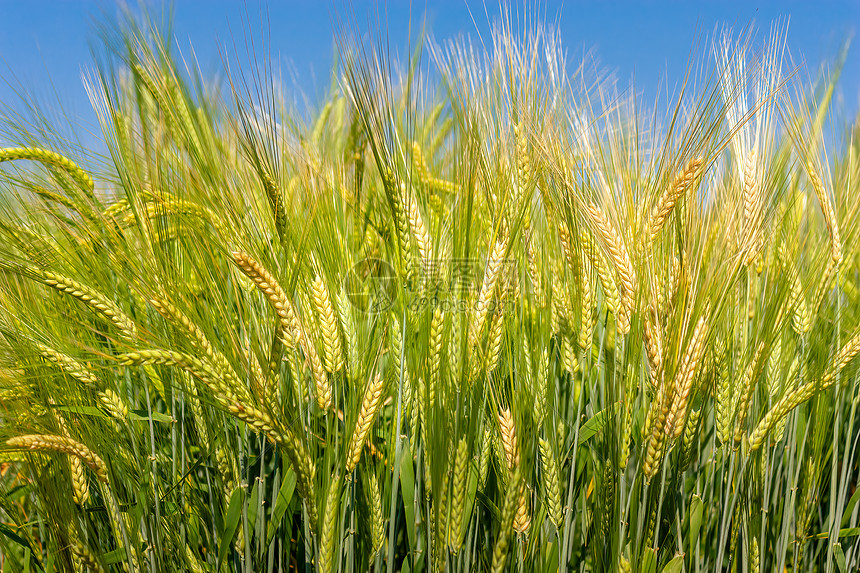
<point x="481" y="309"/>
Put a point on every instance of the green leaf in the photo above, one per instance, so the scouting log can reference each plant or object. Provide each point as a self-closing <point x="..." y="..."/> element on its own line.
<point x="471" y="491"/>
<point x="231" y="523"/>
<point x="847" y="532"/>
<point x="596" y="423"/>
<point x="675" y="565"/>
<point x="696" y="510"/>
<point x="285" y="495"/>
<point x="143" y="415"/>
<point x="83" y="410"/>
<point x="839" y="557"/>
<point x="849" y="509"/>
<point x="407" y="486"/>
<point x="254" y="505"/>
<point x="115" y="556"/>
<point x="649" y="561"/>
<point x="7" y="531"/>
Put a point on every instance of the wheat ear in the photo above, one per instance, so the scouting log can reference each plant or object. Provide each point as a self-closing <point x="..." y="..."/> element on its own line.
<point x="419" y="229"/>
<point x="85" y="556"/>
<point x="685" y="377"/>
<point x="114" y="405"/>
<point x="64" y="445"/>
<point x="752" y="208"/>
<point x="47" y="157"/>
<point x="333" y="355"/>
<point x="68" y="365"/>
<point x="92" y="298"/>
<point x="377" y="519"/>
<point x="551" y="483"/>
<point x="506" y="529"/>
<point x="268" y="285"/>
<point x="290" y="325"/>
<point x="828" y="212"/>
<point x="617" y="254"/>
<point x="607" y="283"/>
<point x="508" y="432"/>
<point x="195" y="333"/>
<point x="653" y="346"/>
<point x="586" y="306"/>
<point x="750" y="376"/>
<point x="370" y="405"/>
<point x="458" y="502"/>
<point x="800" y="395"/>
<point x="679" y="186"/>
<point x="328" y="534"/>
<point x="488" y="287"/>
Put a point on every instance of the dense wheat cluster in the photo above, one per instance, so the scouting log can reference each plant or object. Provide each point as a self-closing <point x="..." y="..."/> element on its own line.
<point x="481" y="311"/>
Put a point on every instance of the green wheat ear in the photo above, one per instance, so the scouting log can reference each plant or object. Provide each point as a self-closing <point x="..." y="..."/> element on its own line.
<point x="52" y="158"/>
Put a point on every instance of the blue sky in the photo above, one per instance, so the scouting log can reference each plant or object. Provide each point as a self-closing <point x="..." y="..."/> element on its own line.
<point x="44" y="44"/>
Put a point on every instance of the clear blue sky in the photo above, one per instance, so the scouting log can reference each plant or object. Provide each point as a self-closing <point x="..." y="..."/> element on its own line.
<point x="44" y="44"/>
